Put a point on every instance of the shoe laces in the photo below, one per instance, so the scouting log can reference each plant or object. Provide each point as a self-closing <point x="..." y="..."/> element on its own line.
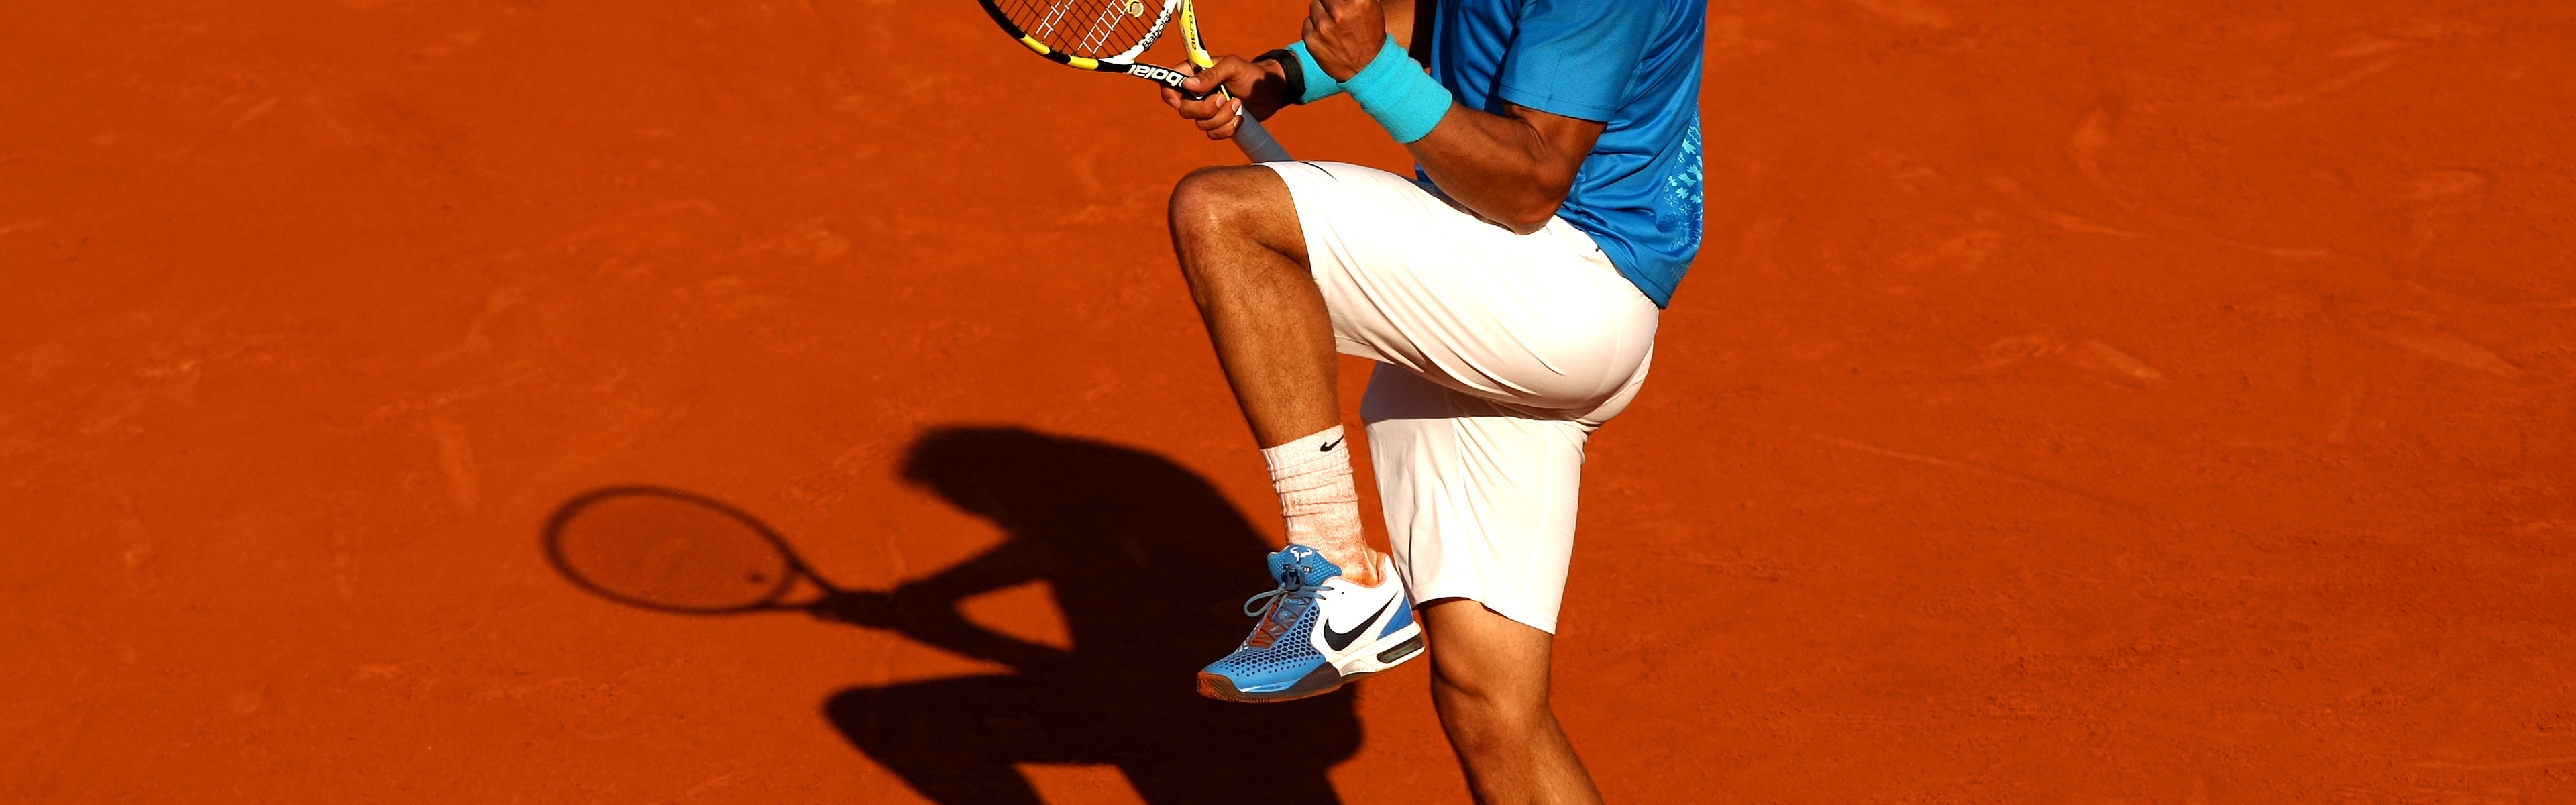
<point x="1278" y="614"/>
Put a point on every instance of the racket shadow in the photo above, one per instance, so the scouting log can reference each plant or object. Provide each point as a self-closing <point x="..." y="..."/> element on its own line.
<point x="1148" y="564"/>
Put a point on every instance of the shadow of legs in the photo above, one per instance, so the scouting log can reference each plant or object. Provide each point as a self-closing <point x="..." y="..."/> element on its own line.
<point x="957" y="740"/>
<point x="1224" y="753"/>
<point x="953" y="740"/>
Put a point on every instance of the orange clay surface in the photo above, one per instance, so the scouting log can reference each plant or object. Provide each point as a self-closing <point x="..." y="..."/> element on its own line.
<point x="2073" y="403"/>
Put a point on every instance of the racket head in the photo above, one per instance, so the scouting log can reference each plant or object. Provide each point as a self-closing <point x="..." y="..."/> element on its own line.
<point x="1103" y="35"/>
<point x="671" y="551"/>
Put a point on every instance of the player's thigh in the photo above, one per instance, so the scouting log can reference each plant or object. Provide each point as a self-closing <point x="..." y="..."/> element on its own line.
<point x="1540" y="321"/>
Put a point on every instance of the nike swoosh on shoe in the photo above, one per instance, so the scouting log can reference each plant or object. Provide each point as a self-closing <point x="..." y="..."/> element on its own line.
<point x="1338" y="640"/>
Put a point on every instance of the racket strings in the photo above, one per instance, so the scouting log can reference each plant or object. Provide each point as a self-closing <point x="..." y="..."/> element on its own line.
<point x="1101" y="28"/>
<point x="1090" y="28"/>
<point x="670" y="551"/>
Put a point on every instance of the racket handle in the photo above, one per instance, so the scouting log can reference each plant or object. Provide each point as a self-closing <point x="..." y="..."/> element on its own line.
<point x="1256" y="142"/>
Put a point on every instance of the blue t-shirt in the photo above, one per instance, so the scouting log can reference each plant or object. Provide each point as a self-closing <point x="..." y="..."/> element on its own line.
<point x="1632" y="64"/>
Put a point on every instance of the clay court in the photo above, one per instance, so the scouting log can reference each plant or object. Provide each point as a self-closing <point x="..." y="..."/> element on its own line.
<point x="2072" y="403"/>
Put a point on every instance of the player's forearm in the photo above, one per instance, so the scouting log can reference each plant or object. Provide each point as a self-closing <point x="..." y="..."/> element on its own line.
<point x="1503" y="168"/>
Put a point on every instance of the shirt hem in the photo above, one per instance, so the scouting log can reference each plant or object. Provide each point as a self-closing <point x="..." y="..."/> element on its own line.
<point x="1555" y="105"/>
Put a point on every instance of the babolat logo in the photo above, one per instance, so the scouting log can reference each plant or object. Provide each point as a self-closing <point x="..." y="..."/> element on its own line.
<point x="1166" y="75"/>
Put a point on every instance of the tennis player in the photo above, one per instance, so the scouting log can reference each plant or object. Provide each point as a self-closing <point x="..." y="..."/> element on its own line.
<point x="1509" y="291"/>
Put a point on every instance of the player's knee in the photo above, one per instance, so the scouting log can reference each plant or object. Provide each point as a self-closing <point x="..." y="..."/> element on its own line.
<point x="1483" y="707"/>
<point x="1212" y="200"/>
<point x="1474" y="722"/>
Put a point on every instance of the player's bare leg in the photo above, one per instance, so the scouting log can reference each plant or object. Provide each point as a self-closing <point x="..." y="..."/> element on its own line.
<point x="1235" y="230"/>
<point x="1489" y="678"/>
<point x="1338" y="613"/>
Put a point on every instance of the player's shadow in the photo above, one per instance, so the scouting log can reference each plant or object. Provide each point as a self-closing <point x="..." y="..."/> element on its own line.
<point x="1149" y="566"/>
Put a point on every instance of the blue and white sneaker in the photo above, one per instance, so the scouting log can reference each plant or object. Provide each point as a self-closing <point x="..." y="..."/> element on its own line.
<point x="1317" y="631"/>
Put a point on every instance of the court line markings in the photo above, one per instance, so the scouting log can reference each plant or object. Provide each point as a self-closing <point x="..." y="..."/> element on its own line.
<point x="1973" y="469"/>
<point x="2514" y="765"/>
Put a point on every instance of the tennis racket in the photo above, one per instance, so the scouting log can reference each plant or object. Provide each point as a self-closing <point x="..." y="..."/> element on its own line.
<point x="1106" y="36"/>
<point x="672" y="551"/>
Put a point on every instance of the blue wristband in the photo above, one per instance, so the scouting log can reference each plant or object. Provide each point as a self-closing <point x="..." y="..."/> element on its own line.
<point x="1407" y="102"/>
<point x="1318" y="85"/>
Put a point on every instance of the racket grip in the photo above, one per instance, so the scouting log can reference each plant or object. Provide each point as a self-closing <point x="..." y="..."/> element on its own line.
<point x="1257" y="143"/>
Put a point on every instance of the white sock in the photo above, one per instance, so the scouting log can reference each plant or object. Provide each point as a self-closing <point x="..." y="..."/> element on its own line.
<point x="1316" y="495"/>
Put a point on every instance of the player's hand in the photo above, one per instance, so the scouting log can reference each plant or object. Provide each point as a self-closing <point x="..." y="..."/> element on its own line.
<point x="1256" y="87"/>
<point x="1345" y="35"/>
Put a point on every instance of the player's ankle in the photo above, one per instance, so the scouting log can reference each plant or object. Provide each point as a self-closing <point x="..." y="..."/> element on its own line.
<point x="1319" y="503"/>
<point x="1367" y="576"/>
<point x="1360" y="565"/>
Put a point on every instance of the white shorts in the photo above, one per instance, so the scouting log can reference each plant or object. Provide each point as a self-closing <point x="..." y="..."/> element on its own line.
<point x="1499" y="355"/>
